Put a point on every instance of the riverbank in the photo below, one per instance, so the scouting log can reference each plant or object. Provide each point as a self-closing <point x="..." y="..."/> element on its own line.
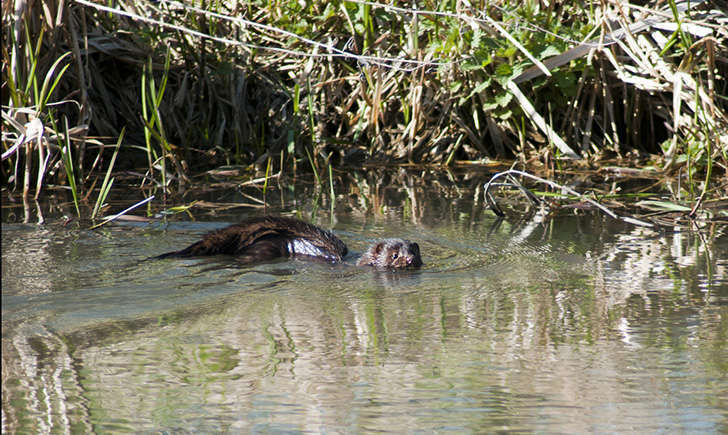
<point x="169" y="92"/>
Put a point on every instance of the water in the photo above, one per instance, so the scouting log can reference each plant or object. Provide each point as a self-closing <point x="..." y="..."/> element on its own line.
<point x="576" y="324"/>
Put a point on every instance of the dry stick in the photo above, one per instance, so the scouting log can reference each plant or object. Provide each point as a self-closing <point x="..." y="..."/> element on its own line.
<point x="555" y="185"/>
<point x="260" y="180"/>
<point x="28" y="161"/>
<point x="121" y="213"/>
<point x="43" y="160"/>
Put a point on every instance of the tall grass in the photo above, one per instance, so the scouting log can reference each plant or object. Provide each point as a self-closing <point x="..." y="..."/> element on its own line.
<point x="438" y="83"/>
<point x="69" y="166"/>
<point x="108" y="179"/>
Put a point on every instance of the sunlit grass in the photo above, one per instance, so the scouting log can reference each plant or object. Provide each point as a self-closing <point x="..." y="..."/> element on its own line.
<point x="405" y="84"/>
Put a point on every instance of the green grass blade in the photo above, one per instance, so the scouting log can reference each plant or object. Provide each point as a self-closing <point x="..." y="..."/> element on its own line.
<point x="108" y="181"/>
<point x="67" y="158"/>
<point x="45" y="92"/>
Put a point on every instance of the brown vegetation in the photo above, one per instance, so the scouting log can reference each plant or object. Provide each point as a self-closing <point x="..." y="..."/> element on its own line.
<point x="357" y="81"/>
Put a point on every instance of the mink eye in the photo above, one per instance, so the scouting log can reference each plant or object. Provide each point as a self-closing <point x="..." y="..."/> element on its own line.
<point x="394" y="256"/>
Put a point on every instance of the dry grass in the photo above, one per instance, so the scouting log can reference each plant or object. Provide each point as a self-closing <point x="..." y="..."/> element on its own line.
<point x="269" y="81"/>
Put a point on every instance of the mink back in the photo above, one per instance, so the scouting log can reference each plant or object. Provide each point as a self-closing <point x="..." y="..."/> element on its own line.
<point x="267" y="238"/>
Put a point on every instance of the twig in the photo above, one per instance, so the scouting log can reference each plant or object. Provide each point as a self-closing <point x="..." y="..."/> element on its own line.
<point x="555" y="185"/>
<point x="111" y="218"/>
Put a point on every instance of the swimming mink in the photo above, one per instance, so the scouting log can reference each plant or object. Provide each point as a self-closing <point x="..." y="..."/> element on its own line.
<point x="266" y="238"/>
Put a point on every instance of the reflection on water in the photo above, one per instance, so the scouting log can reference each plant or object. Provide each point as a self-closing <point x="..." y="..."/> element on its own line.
<point x="573" y="326"/>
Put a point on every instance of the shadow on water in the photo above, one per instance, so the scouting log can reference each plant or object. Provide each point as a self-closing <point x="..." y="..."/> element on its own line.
<point x="572" y="324"/>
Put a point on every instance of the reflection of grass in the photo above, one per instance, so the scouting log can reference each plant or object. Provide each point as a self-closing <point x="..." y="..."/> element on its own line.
<point x="230" y="343"/>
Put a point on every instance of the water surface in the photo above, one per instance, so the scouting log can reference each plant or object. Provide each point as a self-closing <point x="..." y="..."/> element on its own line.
<point x="570" y="325"/>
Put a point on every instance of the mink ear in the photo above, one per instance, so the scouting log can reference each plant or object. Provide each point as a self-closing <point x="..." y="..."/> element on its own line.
<point x="378" y="247"/>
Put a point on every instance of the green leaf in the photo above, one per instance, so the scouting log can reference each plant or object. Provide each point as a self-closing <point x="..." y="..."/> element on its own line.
<point x="505" y="115"/>
<point x="503" y="98"/>
<point x="551" y="50"/>
<point x="503" y="73"/>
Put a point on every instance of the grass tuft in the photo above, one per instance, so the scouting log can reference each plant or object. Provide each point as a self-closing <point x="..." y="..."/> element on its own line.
<point x="439" y="84"/>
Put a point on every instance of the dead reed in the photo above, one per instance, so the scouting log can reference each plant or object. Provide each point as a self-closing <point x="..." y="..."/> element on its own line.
<point x="228" y="83"/>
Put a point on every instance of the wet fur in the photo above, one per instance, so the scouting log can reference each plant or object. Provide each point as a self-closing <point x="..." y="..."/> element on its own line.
<point x="263" y="239"/>
<point x="267" y="238"/>
<point x="392" y="253"/>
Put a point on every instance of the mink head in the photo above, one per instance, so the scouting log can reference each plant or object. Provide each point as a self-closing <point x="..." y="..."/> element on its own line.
<point x="392" y="253"/>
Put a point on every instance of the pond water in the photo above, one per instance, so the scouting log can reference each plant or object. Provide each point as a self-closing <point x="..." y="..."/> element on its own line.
<point x="568" y="324"/>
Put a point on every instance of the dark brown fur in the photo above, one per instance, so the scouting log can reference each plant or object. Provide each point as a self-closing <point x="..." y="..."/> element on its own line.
<point x="264" y="239"/>
<point x="267" y="238"/>
<point x="392" y="253"/>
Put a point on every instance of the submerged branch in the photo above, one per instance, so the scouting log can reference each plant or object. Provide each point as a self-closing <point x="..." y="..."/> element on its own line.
<point x="555" y="185"/>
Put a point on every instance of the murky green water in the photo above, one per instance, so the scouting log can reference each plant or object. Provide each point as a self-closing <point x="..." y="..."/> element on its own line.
<point x="571" y="325"/>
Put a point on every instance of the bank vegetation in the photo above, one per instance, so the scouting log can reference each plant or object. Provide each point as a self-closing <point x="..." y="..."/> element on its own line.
<point x="162" y="91"/>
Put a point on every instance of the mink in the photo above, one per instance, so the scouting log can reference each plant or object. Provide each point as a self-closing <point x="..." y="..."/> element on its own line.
<point x="392" y="253"/>
<point x="267" y="238"/>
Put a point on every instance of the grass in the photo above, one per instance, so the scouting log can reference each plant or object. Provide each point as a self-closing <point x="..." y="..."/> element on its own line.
<point x="433" y="85"/>
<point x="66" y="153"/>
<point x="108" y="180"/>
